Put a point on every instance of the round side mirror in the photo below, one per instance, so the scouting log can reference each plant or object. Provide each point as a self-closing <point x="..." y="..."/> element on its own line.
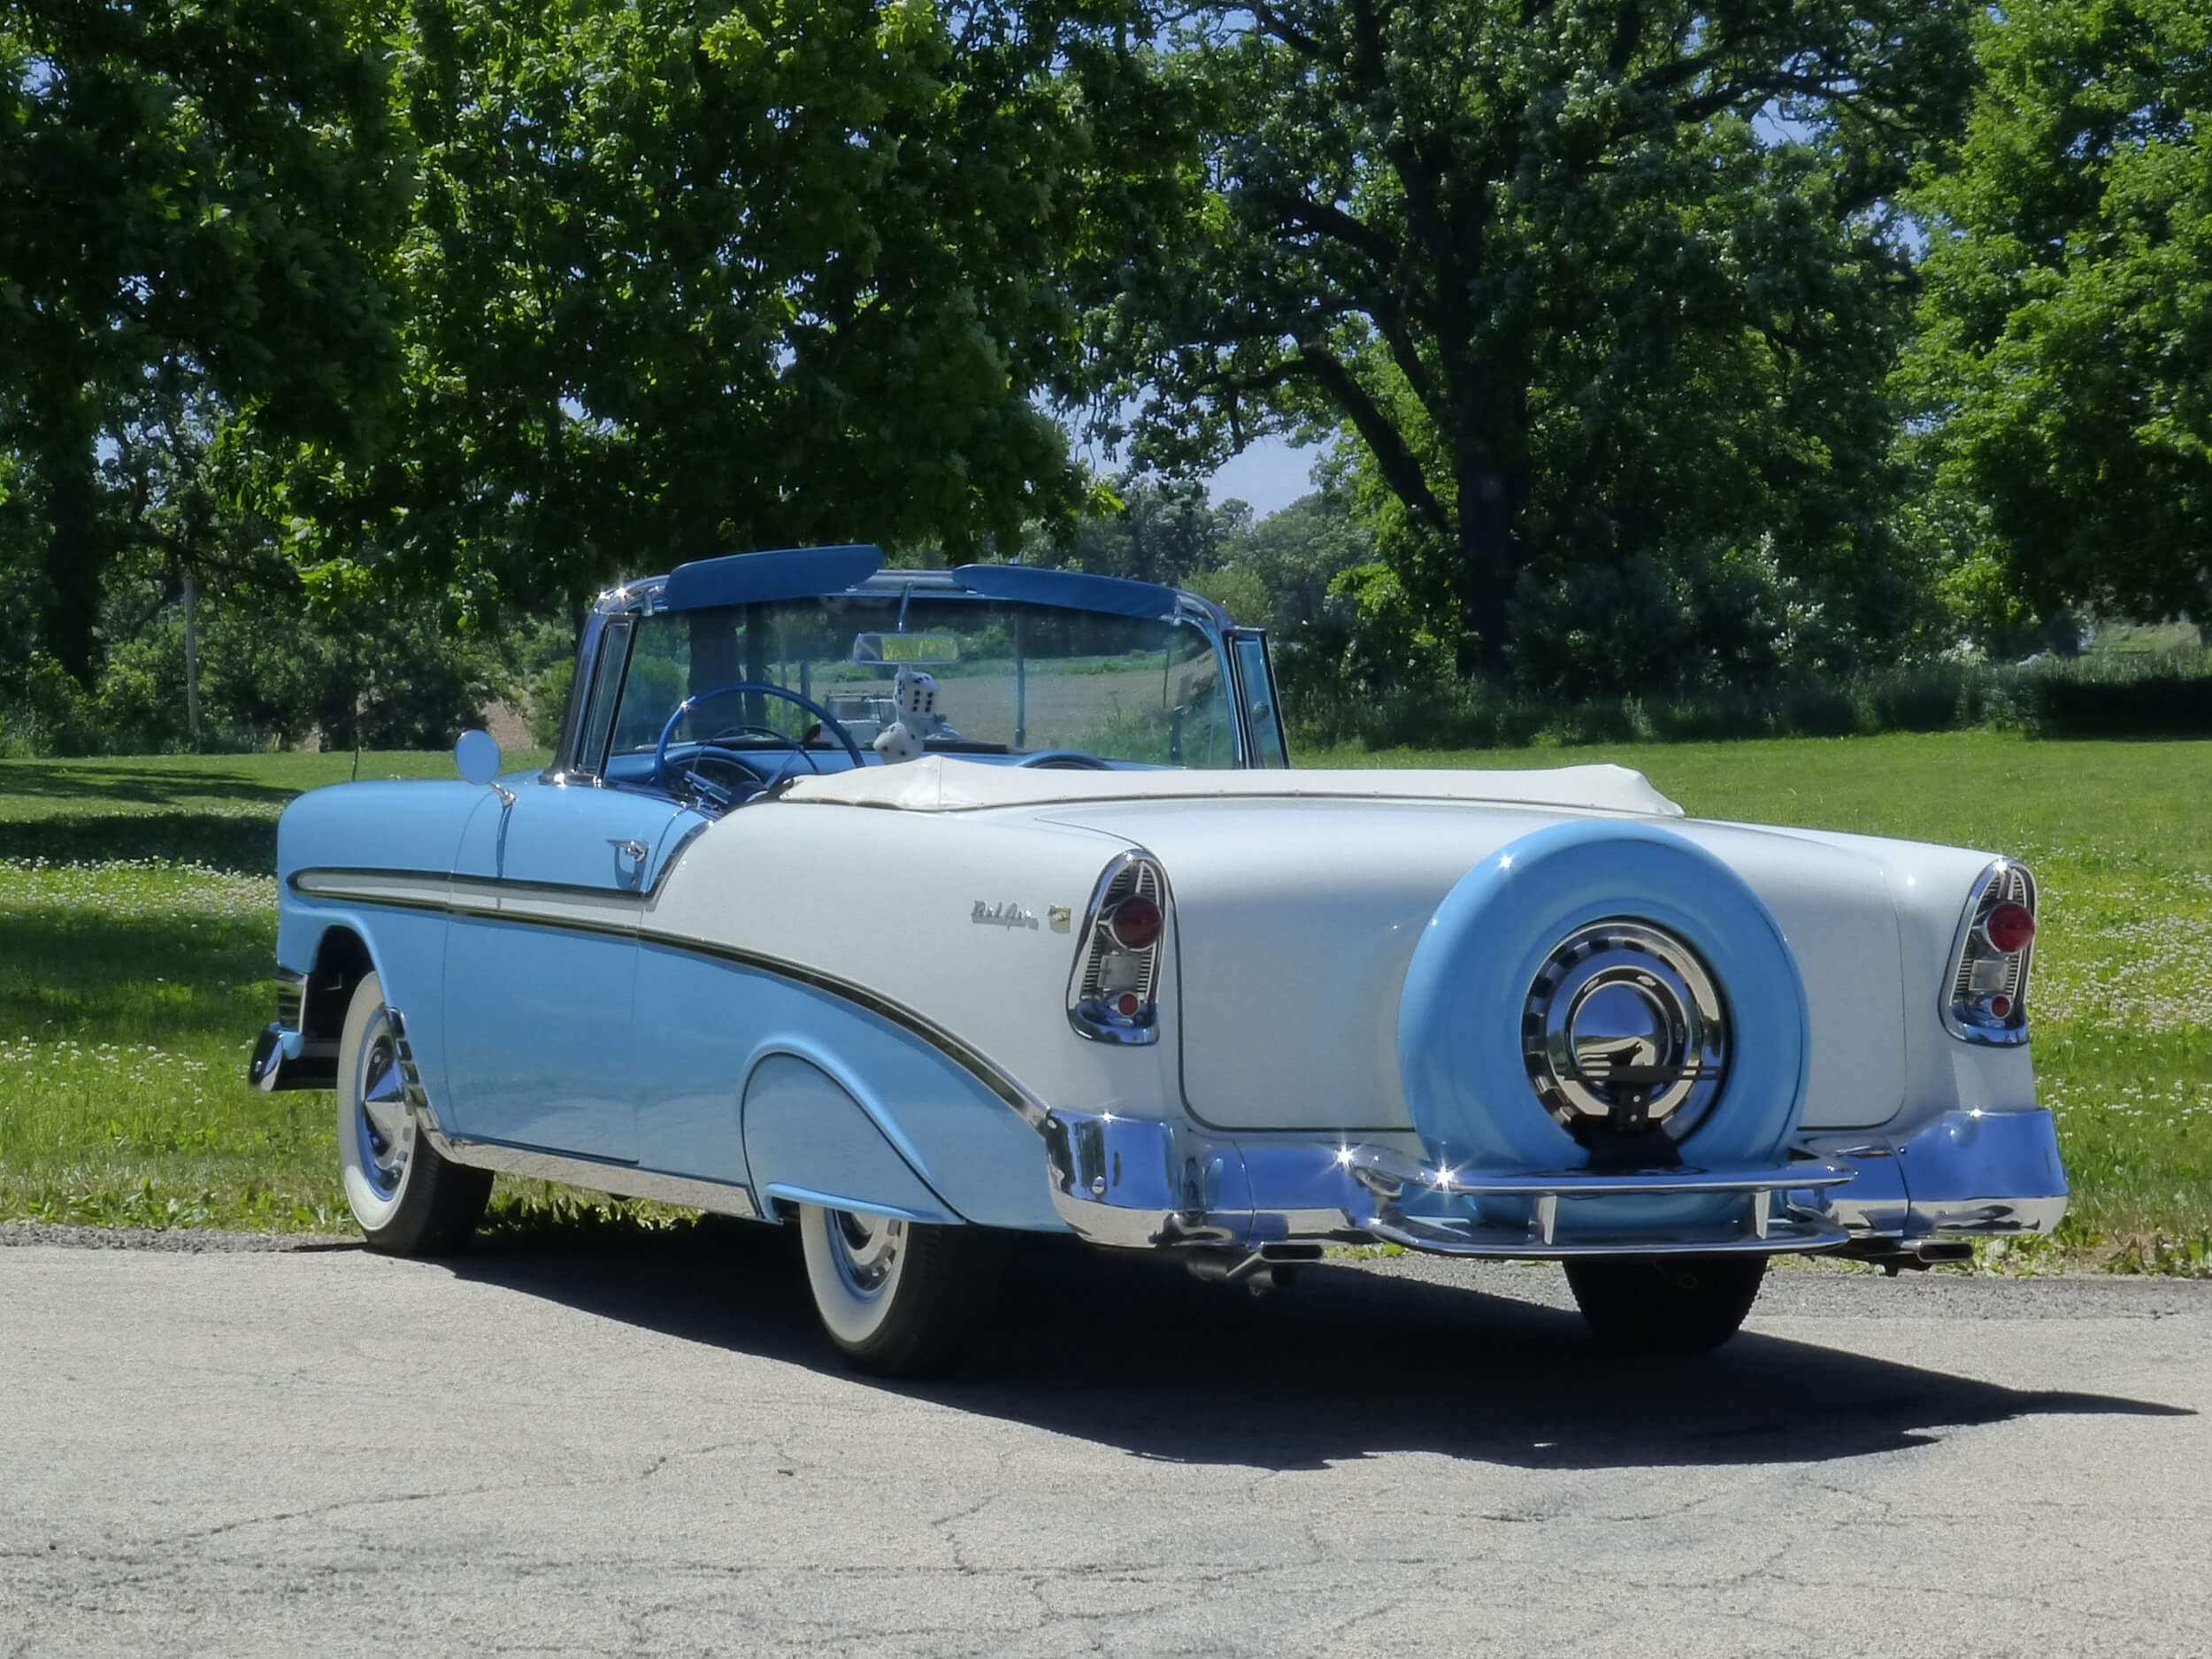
<point x="477" y="755"/>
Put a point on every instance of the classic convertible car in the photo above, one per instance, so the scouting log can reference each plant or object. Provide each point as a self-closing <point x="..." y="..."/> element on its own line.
<point x="921" y="911"/>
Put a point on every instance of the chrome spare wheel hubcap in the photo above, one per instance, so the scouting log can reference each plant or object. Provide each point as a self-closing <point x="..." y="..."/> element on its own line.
<point x="386" y="1126"/>
<point x="866" y="1250"/>
<point x="1624" y="1032"/>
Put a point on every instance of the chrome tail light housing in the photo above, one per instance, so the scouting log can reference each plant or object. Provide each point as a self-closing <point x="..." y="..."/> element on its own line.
<point x="1986" y="997"/>
<point x="1113" y="990"/>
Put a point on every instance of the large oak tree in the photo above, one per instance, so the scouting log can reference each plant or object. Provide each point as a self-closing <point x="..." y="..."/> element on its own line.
<point x="691" y="276"/>
<point x="2067" y="351"/>
<point x="1580" y="278"/>
<point x="199" y="183"/>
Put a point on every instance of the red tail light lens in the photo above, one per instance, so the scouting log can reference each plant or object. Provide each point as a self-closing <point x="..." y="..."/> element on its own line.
<point x="1114" y="984"/>
<point x="2009" y="928"/>
<point x="1986" y="997"/>
<point x="1134" y="923"/>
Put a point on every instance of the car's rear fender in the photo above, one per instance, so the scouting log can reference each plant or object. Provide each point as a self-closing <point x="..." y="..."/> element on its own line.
<point x="764" y="1079"/>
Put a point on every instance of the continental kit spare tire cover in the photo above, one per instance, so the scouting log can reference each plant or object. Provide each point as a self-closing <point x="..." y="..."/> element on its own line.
<point x="1467" y="991"/>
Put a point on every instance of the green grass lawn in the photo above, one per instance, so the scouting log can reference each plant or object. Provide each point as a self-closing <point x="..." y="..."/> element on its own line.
<point x="137" y="918"/>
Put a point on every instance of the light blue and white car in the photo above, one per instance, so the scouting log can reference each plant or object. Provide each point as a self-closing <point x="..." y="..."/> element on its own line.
<point x="921" y="911"/>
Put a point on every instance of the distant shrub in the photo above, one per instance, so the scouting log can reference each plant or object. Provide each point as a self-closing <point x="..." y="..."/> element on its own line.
<point x="2170" y="694"/>
<point x="548" y="690"/>
<point x="2167" y="695"/>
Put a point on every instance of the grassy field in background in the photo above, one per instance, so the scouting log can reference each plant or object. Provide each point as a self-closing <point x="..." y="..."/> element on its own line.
<point x="137" y="918"/>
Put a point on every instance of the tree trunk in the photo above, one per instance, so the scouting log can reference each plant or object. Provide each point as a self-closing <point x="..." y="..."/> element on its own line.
<point x="1489" y="562"/>
<point x="192" y="660"/>
<point x="76" y="548"/>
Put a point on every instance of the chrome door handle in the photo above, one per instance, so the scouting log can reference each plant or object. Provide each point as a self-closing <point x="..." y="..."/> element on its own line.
<point x="633" y="848"/>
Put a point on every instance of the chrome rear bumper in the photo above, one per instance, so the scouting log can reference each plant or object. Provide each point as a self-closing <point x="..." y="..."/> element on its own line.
<point x="1138" y="1183"/>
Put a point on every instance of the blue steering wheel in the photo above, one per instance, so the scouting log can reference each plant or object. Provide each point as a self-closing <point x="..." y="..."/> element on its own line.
<point x="830" y="724"/>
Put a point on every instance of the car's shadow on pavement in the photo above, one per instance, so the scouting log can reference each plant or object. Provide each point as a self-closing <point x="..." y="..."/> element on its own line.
<point x="1343" y="1364"/>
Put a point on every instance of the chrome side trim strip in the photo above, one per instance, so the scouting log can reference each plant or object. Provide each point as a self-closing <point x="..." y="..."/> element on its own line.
<point x="406" y="889"/>
<point x="429" y="889"/>
<point x="858" y="1206"/>
<point x="978" y="1065"/>
<point x="620" y="1180"/>
<point x="522" y="904"/>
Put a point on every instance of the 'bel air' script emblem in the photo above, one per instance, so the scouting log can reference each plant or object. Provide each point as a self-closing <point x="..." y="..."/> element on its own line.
<point x="1008" y="914"/>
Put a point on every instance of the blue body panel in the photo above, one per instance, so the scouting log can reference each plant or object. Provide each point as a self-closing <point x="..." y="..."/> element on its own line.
<point x="744" y="578"/>
<point x="538" y="1019"/>
<point x="396" y="826"/>
<point x="711" y="1029"/>
<point x="1074" y="590"/>
<point x="580" y="1040"/>
<point x="377" y="826"/>
<point x="814" y="1143"/>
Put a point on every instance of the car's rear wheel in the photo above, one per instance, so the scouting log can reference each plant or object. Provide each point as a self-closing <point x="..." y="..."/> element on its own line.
<point x="1666" y="1304"/>
<point x="895" y="1296"/>
<point x="408" y="1199"/>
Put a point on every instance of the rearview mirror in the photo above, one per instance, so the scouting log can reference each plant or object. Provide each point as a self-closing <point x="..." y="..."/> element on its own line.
<point x="912" y="649"/>
<point x="477" y="755"/>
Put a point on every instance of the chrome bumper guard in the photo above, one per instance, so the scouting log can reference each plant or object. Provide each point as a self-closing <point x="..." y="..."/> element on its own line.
<point x="282" y="1056"/>
<point x="1141" y="1184"/>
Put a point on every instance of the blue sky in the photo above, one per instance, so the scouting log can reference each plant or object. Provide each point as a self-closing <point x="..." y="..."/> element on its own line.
<point x="1270" y="475"/>
<point x="1267" y="477"/>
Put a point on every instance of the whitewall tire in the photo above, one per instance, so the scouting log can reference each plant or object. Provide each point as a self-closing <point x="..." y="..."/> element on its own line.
<point x="895" y="1296"/>
<point x="407" y="1199"/>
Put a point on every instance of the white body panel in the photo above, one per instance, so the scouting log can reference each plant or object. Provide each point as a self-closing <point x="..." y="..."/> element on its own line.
<point x="1297" y="900"/>
<point x="938" y="783"/>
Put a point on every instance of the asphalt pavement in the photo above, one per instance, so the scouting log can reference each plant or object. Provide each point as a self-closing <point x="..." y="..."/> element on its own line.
<point x="643" y="1447"/>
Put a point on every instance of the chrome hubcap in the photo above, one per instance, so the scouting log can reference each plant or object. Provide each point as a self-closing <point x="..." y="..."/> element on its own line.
<point x="384" y="1123"/>
<point x="866" y="1250"/>
<point x="1624" y="1032"/>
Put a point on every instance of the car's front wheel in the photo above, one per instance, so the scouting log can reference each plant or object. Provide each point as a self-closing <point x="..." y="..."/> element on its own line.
<point x="1666" y="1304"/>
<point x="895" y="1296"/>
<point x="408" y="1199"/>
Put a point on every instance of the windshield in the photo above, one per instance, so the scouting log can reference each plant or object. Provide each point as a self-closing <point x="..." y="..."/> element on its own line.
<point x="1012" y="678"/>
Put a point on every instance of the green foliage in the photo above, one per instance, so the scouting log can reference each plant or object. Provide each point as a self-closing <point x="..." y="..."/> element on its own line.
<point x="548" y="693"/>
<point x="1388" y="641"/>
<point x="214" y="183"/>
<point x="1157" y="530"/>
<point x="2066" y="351"/>
<point x="1238" y="589"/>
<point x="2169" y="693"/>
<point x="390" y="676"/>
<point x="687" y="278"/>
<point x="1298" y="554"/>
<point x="271" y="674"/>
<point x="47" y="711"/>
<point x="1571" y="303"/>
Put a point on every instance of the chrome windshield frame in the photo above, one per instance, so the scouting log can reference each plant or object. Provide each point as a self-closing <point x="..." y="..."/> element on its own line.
<point x="643" y="597"/>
